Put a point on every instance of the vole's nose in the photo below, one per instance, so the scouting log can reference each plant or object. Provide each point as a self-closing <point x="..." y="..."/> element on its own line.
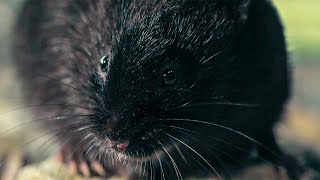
<point x="122" y="146"/>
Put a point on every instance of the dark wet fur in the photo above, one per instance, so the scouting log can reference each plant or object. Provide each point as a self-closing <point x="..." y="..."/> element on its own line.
<point x="231" y="64"/>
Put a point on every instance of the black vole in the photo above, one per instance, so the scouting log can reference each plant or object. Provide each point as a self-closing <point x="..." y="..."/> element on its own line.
<point x="156" y="88"/>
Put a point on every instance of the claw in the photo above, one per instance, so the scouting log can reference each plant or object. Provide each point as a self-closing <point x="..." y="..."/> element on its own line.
<point x="76" y="164"/>
<point x="60" y="157"/>
<point x="97" y="167"/>
<point x="73" y="168"/>
<point x="84" y="168"/>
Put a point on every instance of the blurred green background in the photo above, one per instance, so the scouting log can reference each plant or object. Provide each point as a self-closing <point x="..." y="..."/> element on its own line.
<point x="302" y="22"/>
<point x="301" y="19"/>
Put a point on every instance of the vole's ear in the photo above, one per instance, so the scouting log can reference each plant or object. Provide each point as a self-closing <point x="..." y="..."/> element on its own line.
<point x="238" y="9"/>
<point x="241" y="7"/>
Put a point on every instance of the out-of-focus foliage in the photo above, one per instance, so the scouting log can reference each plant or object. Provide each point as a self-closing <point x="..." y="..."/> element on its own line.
<point x="302" y="23"/>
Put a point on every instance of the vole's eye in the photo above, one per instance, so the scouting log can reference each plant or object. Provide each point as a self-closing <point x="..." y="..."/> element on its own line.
<point x="104" y="63"/>
<point x="169" y="78"/>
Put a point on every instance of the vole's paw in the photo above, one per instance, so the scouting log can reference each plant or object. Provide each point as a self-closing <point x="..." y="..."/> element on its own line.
<point x="78" y="164"/>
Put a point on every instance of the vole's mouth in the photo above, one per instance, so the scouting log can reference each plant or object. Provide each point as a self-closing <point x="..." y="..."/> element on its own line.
<point x="142" y="145"/>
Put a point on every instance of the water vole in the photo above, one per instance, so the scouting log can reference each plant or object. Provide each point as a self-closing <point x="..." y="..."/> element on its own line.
<point x="160" y="88"/>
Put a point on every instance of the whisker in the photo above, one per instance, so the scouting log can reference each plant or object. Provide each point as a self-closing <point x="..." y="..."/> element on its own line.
<point x="69" y="157"/>
<point x="141" y="164"/>
<point x="223" y="103"/>
<point x="196" y="153"/>
<point x="178" y="107"/>
<point x="200" y="163"/>
<point x="83" y="93"/>
<point x="161" y="168"/>
<point x="91" y="146"/>
<point x="194" y="84"/>
<point x="217" y="139"/>
<point x="43" y="119"/>
<point x="52" y="131"/>
<point x="60" y="131"/>
<point x="179" y="151"/>
<point x="60" y="145"/>
<point x="228" y="143"/>
<point x="184" y="158"/>
<point x="152" y="170"/>
<point x="189" y="104"/>
<point x="37" y="105"/>
<point x="137" y="162"/>
<point x="144" y="167"/>
<point x="211" y="57"/>
<point x="56" y="80"/>
<point x="179" y="176"/>
<point x="196" y="139"/>
<point x="226" y="128"/>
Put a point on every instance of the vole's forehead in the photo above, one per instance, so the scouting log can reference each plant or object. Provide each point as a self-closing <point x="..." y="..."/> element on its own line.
<point x="147" y="37"/>
<point x="140" y="45"/>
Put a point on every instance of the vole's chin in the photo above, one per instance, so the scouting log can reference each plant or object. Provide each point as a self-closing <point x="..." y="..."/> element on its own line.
<point x="145" y="154"/>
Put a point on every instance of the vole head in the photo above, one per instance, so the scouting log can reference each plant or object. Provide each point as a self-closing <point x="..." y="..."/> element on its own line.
<point x="158" y="60"/>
